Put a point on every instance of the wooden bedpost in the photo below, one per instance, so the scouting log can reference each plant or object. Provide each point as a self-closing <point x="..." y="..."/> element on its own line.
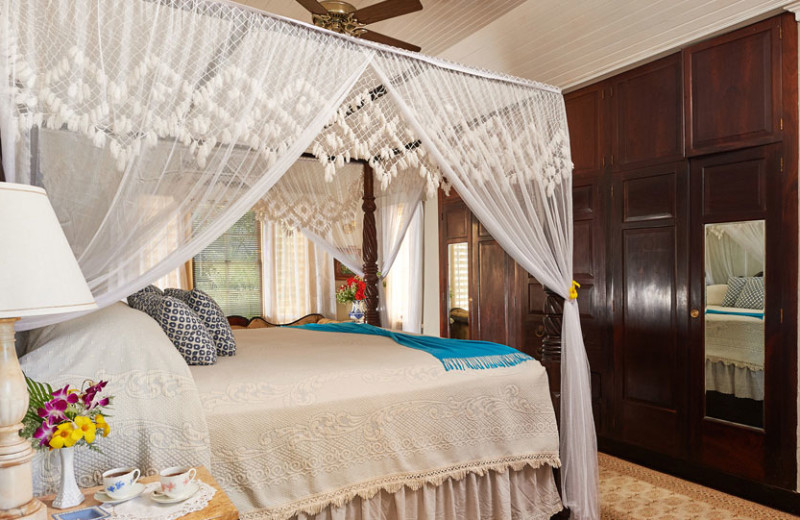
<point x="551" y="345"/>
<point x="369" y="251"/>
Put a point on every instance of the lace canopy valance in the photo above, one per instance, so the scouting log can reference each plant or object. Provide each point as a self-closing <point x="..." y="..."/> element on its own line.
<point x="155" y="124"/>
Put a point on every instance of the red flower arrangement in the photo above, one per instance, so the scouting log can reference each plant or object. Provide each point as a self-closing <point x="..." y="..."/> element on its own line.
<point x="352" y="290"/>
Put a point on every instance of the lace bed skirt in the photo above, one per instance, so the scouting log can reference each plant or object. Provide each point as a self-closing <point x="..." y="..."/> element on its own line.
<point x="528" y="493"/>
<point x="728" y="378"/>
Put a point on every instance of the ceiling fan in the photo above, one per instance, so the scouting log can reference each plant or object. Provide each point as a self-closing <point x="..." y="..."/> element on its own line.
<point x="344" y="18"/>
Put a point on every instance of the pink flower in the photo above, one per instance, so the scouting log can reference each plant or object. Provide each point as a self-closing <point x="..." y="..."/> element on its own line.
<point x="44" y="433"/>
<point x="65" y="394"/>
<point x="53" y="412"/>
<point x="91" y="393"/>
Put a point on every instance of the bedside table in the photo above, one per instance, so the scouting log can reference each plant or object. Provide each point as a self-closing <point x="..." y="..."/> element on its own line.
<point x="220" y="507"/>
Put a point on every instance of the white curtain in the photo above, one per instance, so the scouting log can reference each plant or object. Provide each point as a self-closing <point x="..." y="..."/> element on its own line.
<point x="505" y="149"/>
<point x="404" y="284"/>
<point x="297" y="275"/>
<point x="107" y="103"/>
<point x="330" y="213"/>
<point x="734" y="249"/>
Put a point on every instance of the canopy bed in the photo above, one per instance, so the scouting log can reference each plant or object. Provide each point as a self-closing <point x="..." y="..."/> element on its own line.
<point x="155" y="124"/>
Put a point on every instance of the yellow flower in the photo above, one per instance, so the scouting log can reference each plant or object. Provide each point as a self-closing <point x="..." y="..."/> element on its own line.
<point x="64" y="436"/>
<point x="102" y="424"/>
<point x="86" y="428"/>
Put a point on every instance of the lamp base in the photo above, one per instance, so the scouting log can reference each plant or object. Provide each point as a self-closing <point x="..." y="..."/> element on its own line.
<point x="16" y="478"/>
<point x="33" y="510"/>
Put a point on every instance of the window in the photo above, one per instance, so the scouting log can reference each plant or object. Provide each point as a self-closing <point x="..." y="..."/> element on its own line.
<point x="229" y="269"/>
<point x="298" y="275"/>
<point x="458" y="258"/>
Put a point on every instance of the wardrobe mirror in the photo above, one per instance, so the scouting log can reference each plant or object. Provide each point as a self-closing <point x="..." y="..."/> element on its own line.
<point x="458" y="289"/>
<point x="734" y="322"/>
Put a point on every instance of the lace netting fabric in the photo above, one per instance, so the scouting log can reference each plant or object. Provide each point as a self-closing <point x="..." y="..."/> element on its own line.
<point x="155" y="124"/>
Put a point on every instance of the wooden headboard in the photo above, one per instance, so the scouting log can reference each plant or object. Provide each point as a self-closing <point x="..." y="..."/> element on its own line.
<point x="240" y="322"/>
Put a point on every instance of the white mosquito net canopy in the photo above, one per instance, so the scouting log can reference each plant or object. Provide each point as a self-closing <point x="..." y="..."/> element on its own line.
<point x="155" y="124"/>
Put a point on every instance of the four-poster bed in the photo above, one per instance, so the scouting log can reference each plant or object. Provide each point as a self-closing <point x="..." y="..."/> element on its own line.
<point x="142" y="116"/>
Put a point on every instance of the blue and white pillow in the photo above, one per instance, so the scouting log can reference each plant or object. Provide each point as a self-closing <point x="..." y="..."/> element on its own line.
<point x="213" y="318"/>
<point x="752" y="295"/>
<point x="181" y="324"/>
<point x="735" y="286"/>
<point x="150" y="289"/>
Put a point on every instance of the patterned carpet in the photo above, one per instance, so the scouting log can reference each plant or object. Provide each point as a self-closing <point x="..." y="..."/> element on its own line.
<point x="631" y="492"/>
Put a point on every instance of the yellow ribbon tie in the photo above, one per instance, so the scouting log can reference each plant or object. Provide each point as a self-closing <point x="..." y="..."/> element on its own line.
<point x="573" y="291"/>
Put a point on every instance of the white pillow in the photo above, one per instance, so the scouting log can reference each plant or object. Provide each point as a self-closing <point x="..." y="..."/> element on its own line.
<point x="156" y="416"/>
<point x="716" y="293"/>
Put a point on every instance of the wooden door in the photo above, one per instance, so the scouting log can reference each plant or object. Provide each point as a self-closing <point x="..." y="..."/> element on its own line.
<point x="738" y="186"/>
<point x="648" y="245"/>
<point x="493" y="286"/>
<point x="492" y="311"/>
<point x="733" y="88"/>
<point x="455" y="228"/>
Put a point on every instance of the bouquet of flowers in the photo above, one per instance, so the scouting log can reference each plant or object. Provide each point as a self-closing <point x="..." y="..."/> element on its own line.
<point x="65" y="417"/>
<point x="352" y="290"/>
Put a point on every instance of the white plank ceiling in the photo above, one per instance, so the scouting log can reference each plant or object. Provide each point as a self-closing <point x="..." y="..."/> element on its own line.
<point x="567" y="43"/>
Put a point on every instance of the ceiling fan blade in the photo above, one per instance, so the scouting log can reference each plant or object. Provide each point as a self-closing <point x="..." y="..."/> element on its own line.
<point x="387" y="9"/>
<point x="313" y="6"/>
<point x="388" y="40"/>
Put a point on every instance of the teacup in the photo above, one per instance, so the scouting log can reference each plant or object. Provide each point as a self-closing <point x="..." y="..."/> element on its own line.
<point x="118" y="482"/>
<point x="176" y="481"/>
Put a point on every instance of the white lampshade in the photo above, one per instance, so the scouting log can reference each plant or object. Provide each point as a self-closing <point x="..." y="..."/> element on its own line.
<point x="38" y="271"/>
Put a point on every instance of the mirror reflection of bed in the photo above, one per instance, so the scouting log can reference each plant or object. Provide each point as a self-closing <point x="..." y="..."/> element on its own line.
<point x="734" y="322"/>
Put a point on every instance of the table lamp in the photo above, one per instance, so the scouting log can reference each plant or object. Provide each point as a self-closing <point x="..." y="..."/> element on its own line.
<point x="38" y="275"/>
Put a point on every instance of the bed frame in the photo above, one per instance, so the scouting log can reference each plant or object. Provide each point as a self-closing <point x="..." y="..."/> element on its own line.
<point x="240" y="322"/>
<point x="369" y="243"/>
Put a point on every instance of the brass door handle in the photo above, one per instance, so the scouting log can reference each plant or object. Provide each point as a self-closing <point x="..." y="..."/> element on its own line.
<point x="694" y="313"/>
<point x="539" y="332"/>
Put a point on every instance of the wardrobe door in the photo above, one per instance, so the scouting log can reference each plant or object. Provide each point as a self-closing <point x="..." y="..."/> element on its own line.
<point x="733" y="88"/>
<point x="648" y="247"/>
<point x="740" y="363"/>
<point x="648" y="108"/>
<point x="586" y="118"/>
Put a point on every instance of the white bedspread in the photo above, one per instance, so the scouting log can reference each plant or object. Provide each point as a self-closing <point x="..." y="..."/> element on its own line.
<point x="300" y="420"/>
<point x="156" y="419"/>
<point x="735" y="340"/>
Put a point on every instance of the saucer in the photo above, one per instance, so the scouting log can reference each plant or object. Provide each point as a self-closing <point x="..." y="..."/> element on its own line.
<point x="137" y="490"/>
<point x="161" y="498"/>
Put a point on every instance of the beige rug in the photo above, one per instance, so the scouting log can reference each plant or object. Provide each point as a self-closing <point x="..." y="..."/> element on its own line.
<point x="631" y="492"/>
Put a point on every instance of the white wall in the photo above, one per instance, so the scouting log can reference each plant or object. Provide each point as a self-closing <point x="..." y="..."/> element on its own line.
<point x="430" y="269"/>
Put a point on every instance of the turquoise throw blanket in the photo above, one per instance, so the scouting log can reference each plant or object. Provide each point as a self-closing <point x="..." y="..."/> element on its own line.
<point x="455" y="354"/>
<point x="753" y="314"/>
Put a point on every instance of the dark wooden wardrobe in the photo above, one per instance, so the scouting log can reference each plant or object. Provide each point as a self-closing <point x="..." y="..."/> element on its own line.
<point x="704" y="136"/>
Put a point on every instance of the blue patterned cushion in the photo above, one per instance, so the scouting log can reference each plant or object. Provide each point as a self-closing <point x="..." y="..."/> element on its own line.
<point x="150" y="289"/>
<point x="183" y="327"/>
<point x="752" y="295"/>
<point x="213" y="318"/>
<point x="735" y="286"/>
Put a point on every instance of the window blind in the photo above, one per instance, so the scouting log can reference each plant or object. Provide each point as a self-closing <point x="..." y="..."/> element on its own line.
<point x="229" y="270"/>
